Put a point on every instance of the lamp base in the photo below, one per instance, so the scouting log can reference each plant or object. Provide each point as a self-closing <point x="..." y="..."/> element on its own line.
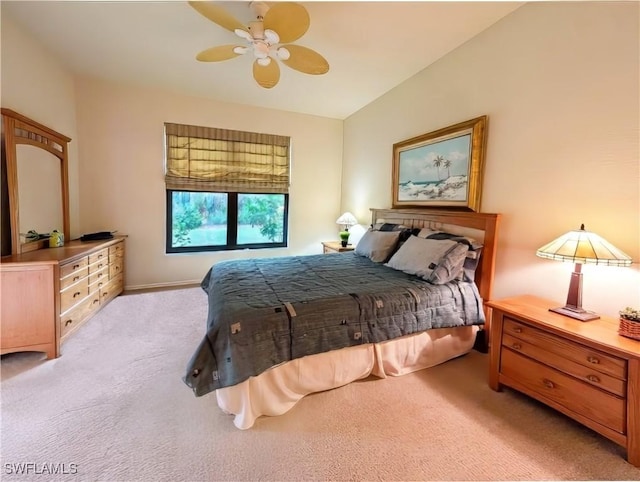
<point x="578" y="314"/>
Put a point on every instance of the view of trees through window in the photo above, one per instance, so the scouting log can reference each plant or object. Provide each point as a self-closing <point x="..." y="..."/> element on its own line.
<point x="202" y="218"/>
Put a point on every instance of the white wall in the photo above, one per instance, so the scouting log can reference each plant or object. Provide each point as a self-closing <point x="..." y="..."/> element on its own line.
<point x="36" y="85"/>
<point x="560" y="84"/>
<point x="122" y="150"/>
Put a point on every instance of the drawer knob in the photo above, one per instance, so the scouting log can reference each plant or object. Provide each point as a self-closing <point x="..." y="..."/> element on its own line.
<point x="593" y="359"/>
<point x="100" y="256"/>
<point x="593" y="378"/>
<point x="76" y="278"/>
<point x="97" y="300"/>
<point x="99" y="275"/>
<point x="548" y="383"/>
<point x="76" y="294"/>
<point x="517" y="329"/>
<point x="68" y="322"/>
<point x="76" y="266"/>
<point x="100" y="265"/>
<point x="516" y="346"/>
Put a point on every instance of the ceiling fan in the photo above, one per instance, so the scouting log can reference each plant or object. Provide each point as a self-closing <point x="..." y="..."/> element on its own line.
<point x="268" y="38"/>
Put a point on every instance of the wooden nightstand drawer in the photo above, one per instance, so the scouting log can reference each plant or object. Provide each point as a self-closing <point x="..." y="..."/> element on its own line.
<point x="584" y="373"/>
<point x="573" y="394"/>
<point x="594" y="359"/>
<point x="585" y="370"/>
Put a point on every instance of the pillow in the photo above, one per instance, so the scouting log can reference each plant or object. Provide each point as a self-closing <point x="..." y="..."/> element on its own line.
<point x="405" y="231"/>
<point x="472" y="259"/>
<point x="377" y="245"/>
<point x="436" y="261"/>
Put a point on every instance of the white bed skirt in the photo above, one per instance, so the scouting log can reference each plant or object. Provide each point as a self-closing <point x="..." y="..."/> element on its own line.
<point x="278" y="389"/>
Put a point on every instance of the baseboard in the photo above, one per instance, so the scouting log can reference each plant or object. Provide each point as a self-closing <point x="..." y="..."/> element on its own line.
<point x="163" y="286"/>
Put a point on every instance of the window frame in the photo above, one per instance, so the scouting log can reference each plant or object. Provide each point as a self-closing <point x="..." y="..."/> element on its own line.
<point x="232" y="225"/>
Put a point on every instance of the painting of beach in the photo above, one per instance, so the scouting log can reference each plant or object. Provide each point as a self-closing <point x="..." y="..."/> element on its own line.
<point x="437" y="171"/>
<point x="442" y="168"/>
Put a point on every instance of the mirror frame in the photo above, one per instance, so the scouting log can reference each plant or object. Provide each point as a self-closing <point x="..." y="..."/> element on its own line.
<point x="19" y="129"/>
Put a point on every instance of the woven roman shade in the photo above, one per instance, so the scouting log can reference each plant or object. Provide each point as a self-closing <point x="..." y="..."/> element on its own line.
<point x="222" y="160"/>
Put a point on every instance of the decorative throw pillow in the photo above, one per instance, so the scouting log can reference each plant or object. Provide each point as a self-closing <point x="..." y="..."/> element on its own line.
<point x="436" y="261"/>
<point x="472" y="259"/>
<point x="405" y="231"/>
<point x="377" y="245"/>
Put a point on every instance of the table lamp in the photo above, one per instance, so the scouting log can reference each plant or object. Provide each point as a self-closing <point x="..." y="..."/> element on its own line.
<point x="346" y="220"/>
<point x="581" y="247"/>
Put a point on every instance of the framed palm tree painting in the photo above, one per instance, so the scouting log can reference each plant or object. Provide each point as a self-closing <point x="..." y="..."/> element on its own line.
<point x="441" y="168"/>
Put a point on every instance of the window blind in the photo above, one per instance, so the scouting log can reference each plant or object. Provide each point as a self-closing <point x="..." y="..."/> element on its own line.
<point x="212" y="159"/>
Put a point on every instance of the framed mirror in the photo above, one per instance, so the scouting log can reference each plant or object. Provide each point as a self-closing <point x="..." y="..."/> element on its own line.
<point x="36" y="160"/>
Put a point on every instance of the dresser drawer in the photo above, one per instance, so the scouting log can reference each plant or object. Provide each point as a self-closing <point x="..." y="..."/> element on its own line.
<point x="102" y="255"/>
<point x="100" y="275"/>
<point x="117" y="250"/>
<point x="579" y="397"/>
<point x="112" y="289"/>
<point x="583" y="355"/>
<point x="74" y="277"/>
<point x="584" y="373"/>
<point x="73" y="294"/>
<point x="116" y="267"/>
<point x="69" y="268"/>
<point x="72" y="319"/>
<point x="98" y="265"/>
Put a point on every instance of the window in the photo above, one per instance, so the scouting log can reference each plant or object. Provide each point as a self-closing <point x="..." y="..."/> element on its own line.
<point x="225" y="189"/>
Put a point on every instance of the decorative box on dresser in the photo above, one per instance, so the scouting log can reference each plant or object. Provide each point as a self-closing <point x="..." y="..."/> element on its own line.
<point x="585" y="370"/>
<point x="48" y="293"/>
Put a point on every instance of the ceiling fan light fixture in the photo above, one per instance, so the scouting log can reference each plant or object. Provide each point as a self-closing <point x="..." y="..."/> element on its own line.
<point x="264" y="61"/>
<point x="260" y="50"/>
<point x="271" y="37"/>
<point x="240" y="50"/>
<point x="243" y="34"/>
<point x="283" y="53"/>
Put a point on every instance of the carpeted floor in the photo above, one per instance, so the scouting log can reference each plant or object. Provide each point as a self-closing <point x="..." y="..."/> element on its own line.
<point x="113" y="408"/>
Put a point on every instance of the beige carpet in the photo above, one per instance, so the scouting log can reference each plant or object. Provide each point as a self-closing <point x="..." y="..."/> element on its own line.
<point x="114" y="406"/>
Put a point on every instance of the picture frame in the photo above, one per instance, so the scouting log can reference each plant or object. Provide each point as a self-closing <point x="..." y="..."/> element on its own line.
<point x="443" y="168"/>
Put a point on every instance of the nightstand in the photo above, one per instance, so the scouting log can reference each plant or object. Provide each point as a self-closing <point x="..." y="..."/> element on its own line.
<point x="335" y="247"/>
<point x="585" y="370"/>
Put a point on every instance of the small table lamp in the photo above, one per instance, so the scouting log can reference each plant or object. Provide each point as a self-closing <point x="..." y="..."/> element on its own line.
<point x="347" y="220"/>
<point x="581" y="247"/>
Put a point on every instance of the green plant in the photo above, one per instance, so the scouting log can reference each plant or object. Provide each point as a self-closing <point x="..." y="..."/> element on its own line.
<point x="183" y="223"/>
<point x="264" y="211"/>
<point x="631" y="314"/>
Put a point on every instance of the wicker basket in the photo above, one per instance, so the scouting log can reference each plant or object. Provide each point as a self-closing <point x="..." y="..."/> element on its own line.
<point x="630" y="329"/>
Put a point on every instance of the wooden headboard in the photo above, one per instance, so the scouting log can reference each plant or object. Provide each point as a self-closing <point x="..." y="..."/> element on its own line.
<point x="481" y="226"/>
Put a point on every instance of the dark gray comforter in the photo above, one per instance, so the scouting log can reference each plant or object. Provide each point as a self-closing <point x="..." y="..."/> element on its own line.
<point x="263" y="312"/>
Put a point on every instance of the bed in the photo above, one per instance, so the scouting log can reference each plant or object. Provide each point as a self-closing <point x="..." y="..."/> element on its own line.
<point x="281" y="328"/>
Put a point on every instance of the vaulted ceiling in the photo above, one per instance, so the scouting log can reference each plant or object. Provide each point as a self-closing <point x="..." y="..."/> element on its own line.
<point x="371" y="47"/>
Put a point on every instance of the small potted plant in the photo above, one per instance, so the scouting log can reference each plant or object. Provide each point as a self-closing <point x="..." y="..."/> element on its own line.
<point x="344" y="238"/>
<point x="630" y="323"/>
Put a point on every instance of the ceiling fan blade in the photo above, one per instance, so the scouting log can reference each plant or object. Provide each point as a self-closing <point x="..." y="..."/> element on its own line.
<point x="218" y="15"/>
<point x="288" y="19"/>
<point x="267" y="76"/>
<point x="217" y="54"/>
<point x="305" y="60"/>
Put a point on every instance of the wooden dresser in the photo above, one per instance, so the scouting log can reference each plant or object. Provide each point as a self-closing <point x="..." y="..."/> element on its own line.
<point x="47" y="294"/>
<point x="583" y="369"/>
